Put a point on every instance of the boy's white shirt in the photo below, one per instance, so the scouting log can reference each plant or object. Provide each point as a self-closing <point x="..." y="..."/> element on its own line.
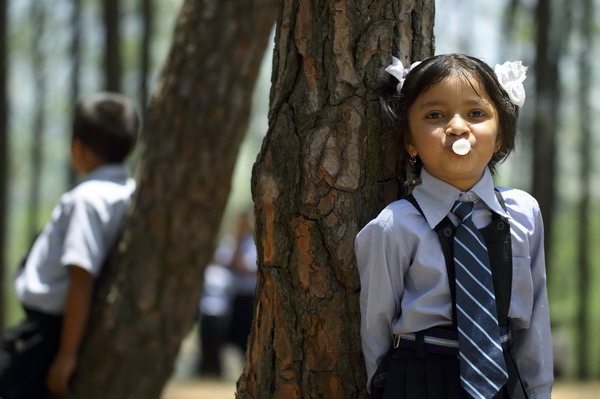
<point x="83" y="227"/>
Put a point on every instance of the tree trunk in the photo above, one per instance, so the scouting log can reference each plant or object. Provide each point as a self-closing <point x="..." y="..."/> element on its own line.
<point x="147" y="14"/>
<point x="38" y="13"/>
<point x="112" y="49"/>
<point x="584" y="221"/>
<point x="147" y="297"/>
<point x="551" y="35"/>
<point x="511" y="10"/>
<point x="75" y="54"/>
<point x="3" y="155"/>
<point x="326" y="168"/>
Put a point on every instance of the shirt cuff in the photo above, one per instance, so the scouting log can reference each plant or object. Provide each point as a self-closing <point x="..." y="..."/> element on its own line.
<point x="543" y="393"/>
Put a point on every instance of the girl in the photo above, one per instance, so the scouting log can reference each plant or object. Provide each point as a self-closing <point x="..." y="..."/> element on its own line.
<point x="457" y="119"/>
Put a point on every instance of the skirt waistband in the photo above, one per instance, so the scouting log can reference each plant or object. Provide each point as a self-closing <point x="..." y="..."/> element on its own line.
<point x="441" y="341"/>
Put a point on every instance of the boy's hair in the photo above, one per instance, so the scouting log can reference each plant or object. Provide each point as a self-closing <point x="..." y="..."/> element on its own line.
<point x="433" y="70"/>
<point x="108" y="124"/>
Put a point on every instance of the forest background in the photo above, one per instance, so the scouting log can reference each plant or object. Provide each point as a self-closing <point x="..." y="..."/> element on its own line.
<point x="44" y="78"/>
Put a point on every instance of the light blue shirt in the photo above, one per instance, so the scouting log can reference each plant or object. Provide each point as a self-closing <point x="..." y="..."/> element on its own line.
<point x="405" y="287"/>
<point x="83" y="227"/>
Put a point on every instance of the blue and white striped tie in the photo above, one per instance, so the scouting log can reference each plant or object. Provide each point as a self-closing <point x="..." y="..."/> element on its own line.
<point x="482" y="366"/>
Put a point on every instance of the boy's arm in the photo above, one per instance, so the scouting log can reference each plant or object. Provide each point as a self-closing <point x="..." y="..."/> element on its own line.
<point x="77" y="309"/>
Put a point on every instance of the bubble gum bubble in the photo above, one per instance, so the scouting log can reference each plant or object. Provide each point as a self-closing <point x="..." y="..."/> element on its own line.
<point x="461" y="147"/>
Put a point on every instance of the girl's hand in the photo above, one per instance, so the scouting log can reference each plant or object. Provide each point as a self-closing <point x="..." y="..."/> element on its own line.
<point x="60" y="373"/>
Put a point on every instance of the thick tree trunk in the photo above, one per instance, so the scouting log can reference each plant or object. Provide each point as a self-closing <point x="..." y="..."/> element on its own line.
<point x="327" y="166"/>
<point x="148" y="294"/>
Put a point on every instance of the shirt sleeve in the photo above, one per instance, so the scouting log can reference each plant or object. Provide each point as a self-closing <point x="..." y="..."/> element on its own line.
<point x="532" y="346"/>
<point x="85" y="242"/>
<point x="380" y="267"/>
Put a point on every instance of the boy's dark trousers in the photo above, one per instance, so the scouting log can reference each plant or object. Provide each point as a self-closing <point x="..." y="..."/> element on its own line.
<point x="27" y="353"/>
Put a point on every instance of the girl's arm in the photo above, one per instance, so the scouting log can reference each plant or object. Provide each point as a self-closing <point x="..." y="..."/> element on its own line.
<point x="532" y="347"/>
<point x="377" y="259"/>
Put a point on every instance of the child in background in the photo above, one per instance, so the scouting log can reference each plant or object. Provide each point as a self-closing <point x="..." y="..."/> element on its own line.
<point x="56" y="283"/>
<point x="457" y="119"/>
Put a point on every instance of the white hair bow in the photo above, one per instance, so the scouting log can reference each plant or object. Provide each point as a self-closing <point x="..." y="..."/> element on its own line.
<point x="511" y="76"/>
<point x="398" y="71"/>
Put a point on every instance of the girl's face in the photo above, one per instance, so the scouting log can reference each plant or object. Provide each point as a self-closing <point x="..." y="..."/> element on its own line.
<point x="452" y="109"/>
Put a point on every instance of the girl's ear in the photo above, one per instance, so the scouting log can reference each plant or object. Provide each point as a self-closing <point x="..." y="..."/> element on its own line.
<point x="411" y="149"/>
<point x="498" y="145"/>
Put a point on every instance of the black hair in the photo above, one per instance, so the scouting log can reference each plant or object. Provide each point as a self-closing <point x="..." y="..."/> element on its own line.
<point x="433" y="70"/>
<point x="108" y="124"/>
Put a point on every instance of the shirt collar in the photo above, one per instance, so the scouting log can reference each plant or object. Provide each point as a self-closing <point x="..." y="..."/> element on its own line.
<point x="111" y="172"/>
<point x="436" y="197"/>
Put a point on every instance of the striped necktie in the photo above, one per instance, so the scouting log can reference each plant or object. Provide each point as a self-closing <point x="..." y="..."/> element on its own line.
<point x="482" y="366"/>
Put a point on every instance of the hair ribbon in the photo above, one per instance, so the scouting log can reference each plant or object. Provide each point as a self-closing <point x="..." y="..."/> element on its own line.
<point x="511" y="76"/>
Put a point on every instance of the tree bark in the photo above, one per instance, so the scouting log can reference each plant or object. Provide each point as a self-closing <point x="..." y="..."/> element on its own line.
<point x="327" y="167"/>
<point x="147" y="296"/>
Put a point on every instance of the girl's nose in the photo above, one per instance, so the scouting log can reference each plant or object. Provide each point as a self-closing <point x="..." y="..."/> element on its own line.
<point x="457" y="126"/>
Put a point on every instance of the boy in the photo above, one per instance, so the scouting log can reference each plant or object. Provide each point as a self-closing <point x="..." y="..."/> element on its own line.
<point x="55" y="285"/>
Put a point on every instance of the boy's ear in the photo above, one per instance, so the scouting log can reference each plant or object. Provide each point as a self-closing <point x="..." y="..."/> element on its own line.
<point x="84" y="158"/>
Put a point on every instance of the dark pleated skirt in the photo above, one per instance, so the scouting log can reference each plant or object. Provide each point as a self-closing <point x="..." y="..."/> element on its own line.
<point x="433" y="376"/>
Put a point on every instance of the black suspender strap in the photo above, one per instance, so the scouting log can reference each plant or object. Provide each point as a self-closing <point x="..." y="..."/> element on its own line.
<point x="497" y="239"/>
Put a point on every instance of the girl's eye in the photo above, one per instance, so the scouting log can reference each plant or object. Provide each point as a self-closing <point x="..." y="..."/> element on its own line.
<point x="434" y="115"/>
<point x="476" y="113"/>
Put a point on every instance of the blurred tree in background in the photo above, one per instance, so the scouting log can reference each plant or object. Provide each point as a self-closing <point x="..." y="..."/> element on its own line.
<point x="585" y="232"/>
<point x="51" y="57"/>
<point x="4" y="179"/>
<point x="148" y="293"/>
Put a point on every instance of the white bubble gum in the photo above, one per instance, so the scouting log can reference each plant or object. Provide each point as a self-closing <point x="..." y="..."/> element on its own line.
<point x="461" y="147"/>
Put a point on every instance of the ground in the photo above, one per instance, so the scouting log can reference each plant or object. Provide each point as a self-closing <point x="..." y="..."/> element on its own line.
<point x="185" y="385"/>
<point x="215" y="389"/>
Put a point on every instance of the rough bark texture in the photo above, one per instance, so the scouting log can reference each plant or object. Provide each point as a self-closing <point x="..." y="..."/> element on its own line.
<point x="327" y="166"/>
<point x="147" y="297"/>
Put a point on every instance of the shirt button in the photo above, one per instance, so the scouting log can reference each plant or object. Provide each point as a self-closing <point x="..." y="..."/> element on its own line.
<point x="467" y="197"/>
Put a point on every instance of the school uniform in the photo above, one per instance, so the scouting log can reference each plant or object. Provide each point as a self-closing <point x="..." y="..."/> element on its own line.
<point x="83" y="227"/>
<point x="405" y="286"/>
